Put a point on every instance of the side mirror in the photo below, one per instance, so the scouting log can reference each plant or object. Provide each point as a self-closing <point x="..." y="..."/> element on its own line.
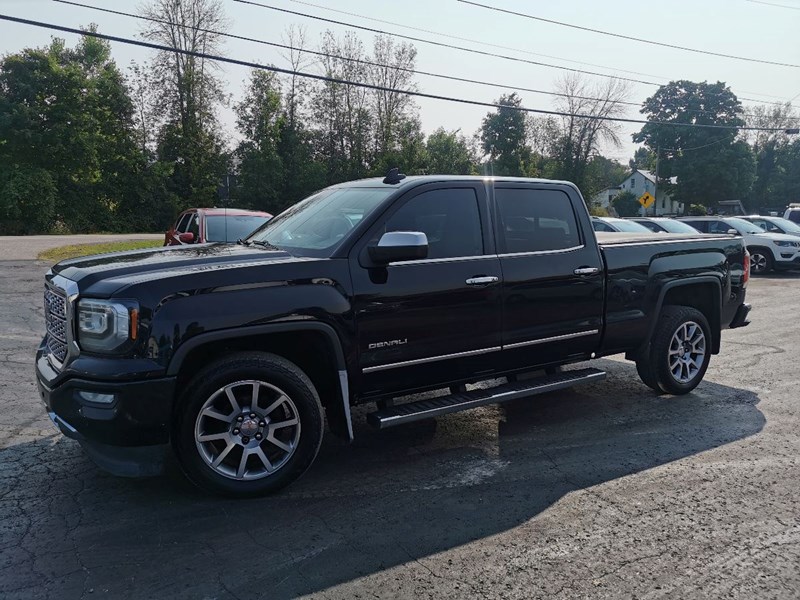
<point x="397" y="246"/>
<point x="186" y="238"/>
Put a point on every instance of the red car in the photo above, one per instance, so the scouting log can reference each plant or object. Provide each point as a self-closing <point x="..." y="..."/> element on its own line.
<point x="201" y="225"/>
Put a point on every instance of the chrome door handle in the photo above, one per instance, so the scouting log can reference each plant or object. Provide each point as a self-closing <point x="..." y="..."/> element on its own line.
<point x="587" y="271"/>
<point x="485" y="280"/>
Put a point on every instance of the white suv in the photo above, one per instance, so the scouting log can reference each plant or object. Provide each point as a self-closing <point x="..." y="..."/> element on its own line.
<point x="767" y="250"/>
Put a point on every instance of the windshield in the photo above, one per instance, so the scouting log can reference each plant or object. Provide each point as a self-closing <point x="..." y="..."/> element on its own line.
<point x="785" y="224"/>
<point x="743" y="226"/>
<point x="232" y="227"/>
<point x="321" y="221"/>
<point x="677" y="226"/>
<point x="628" y="226"/>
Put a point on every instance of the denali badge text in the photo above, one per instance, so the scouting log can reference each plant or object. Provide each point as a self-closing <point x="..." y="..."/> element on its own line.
<point x="388" y="344"/>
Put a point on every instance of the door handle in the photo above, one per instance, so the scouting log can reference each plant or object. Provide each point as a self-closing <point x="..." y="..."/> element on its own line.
<point x="587" y="271"/>
<point x="483" y="280"/>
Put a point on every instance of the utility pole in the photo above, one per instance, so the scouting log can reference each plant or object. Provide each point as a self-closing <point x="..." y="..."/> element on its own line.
<point x="655" y="183"/>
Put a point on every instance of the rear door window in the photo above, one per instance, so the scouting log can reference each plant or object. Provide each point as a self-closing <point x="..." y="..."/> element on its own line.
<point x="536" y="220"/>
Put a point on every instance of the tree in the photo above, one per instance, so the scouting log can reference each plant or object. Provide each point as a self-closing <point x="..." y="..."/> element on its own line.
<point x="581" y="136"/>
<point x="504" y="137"/>
<point x="602" y="173"/>
<point x="710" y="163"/>
<point x="643" y="159"/>
<point x="68" y="151"/>
<point x="189" y="92"/>
<point x="626" y="204"/>
<point x="770" y="149"/>
<point x="341" y="113"/>
<point x="448" y="153"/>
<point x="259" y="119"/>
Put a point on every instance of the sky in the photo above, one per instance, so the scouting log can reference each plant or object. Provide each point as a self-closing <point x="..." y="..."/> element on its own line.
<point x="740" y="27"/>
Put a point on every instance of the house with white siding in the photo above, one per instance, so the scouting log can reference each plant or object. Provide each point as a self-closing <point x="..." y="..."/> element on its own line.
<point x="639" y="182"/>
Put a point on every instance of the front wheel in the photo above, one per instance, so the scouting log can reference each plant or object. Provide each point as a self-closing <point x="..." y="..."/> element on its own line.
<point x="761" y="261"/>
<point x="680" y="351"/>
<point x="248" y="425"/>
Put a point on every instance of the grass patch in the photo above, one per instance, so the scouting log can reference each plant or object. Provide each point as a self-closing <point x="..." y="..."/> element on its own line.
<point x="75" y="250"/>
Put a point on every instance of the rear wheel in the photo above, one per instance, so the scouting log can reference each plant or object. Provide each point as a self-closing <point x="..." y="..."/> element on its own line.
<point x="761" y="261"/>
<point x="248" y="425"/>
<point x="680" y="351"/>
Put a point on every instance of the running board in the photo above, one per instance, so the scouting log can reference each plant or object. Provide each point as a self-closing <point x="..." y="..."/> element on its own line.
<point x="426" y="409"/>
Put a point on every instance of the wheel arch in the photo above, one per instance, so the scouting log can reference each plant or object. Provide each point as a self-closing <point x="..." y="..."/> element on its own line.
<point x="703" y="293"/>
<point x="314" y="347"/>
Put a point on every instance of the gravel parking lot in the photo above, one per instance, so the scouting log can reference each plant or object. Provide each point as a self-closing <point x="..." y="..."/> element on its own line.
<point x="605" y="491"/>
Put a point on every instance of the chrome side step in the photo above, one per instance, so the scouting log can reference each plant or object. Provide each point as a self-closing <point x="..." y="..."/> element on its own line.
<point x="426" y="409"/>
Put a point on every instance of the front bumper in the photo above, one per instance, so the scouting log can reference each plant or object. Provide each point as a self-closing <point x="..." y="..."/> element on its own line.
<point x="128" y="436"/>
<point x="786" y="262"/>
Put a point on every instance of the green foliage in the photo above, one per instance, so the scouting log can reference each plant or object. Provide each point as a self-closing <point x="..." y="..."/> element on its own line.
<point x="626" y="204"/>
<point x="602" y="173"/>
<point x="711" y="164"/>
<point x="448" y="153"/>
<point x="504" y="138"/>
<point x="697" y="210"/>
<point x="27" y="200"/>
<point x="597" y="211"/>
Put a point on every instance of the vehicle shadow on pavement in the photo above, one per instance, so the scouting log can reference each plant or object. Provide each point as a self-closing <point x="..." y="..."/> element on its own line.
<point x="391" y="499"/>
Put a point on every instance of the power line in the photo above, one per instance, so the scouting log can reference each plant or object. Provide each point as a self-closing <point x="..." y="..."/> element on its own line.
<point x="628" y="37"/>
<point x="774" y="4"/>
<point x="451" y="46"/>
<point x="472" y="40"/>
<point x="367" y="62"/>
<point x="254" y="65"/>
<point x="442" y="44"/>
<point x="345" y="58"/>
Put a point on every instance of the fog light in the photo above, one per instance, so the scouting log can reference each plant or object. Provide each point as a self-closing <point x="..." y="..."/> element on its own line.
<point x="96" y="397"/>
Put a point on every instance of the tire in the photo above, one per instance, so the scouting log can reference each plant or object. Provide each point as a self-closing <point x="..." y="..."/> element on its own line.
<point x="280" y="436"/>
<point x="761" y="261"/>
<point x="680" y="351"/>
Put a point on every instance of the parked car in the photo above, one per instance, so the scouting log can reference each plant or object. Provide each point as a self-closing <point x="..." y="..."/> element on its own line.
<point x="236" y="356"/>
<point x="664" y="225"/>
<point x="792" y="213"/>
<point x="775" y="224"/>
<point x="612" y="224"/>
<point x="203" y="225"/>
<point x="768" y="251"/>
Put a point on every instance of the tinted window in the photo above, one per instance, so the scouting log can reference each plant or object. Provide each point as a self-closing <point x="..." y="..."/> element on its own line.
<point x="628" y="226"/>
<point x="701" y="226"/>
<point x="449" y="218"/>
<point x="677" y="227"/>
<point x="600" y="226"/>
<point x="536" y="220"/>
<point x="719" y="227"/>
<point x="183" y="222"/>
<point x="793" y="216"/>
<point x="194" y="227"/>
<point x="231" y="228"/>
<point x="651" y="226"/>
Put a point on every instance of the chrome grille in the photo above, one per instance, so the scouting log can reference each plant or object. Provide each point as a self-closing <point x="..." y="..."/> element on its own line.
<point x="55" y="317"/>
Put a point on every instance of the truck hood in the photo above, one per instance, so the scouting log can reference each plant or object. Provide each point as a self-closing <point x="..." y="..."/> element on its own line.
<point x="123" y="268"/>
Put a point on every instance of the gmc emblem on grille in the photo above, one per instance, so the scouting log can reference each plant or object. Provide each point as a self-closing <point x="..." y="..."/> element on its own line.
<point x="388" y="344"/>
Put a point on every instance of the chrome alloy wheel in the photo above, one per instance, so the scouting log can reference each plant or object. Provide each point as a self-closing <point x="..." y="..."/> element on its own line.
<point x="247" y="430"/>
<point x="687" y="351"/>
<point x="758" y="262"/>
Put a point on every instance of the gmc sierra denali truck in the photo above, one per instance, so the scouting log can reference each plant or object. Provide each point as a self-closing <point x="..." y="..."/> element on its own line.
<point x="235" y="356"/>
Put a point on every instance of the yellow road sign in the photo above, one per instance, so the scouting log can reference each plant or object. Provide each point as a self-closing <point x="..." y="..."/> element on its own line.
<point x="646" y="199"/>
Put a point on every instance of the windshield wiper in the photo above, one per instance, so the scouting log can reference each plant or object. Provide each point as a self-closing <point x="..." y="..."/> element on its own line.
<point x="264" y="244"/>
<point x="242" y="242"/>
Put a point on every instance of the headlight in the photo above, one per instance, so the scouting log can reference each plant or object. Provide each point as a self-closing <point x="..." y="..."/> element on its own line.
<point x="106" y="326"/>
<point x="786" y="243"/>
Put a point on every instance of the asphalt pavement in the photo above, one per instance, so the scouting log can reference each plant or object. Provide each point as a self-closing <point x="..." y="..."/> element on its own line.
<point x="606" y="491"/>
<point x="29" y="247"/>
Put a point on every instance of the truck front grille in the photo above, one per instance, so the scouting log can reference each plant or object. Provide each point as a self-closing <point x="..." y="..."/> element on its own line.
<point x="55" y="318"/>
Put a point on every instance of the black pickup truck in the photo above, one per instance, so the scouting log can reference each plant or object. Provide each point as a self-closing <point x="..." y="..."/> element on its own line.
<point x="236" y="355"/>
